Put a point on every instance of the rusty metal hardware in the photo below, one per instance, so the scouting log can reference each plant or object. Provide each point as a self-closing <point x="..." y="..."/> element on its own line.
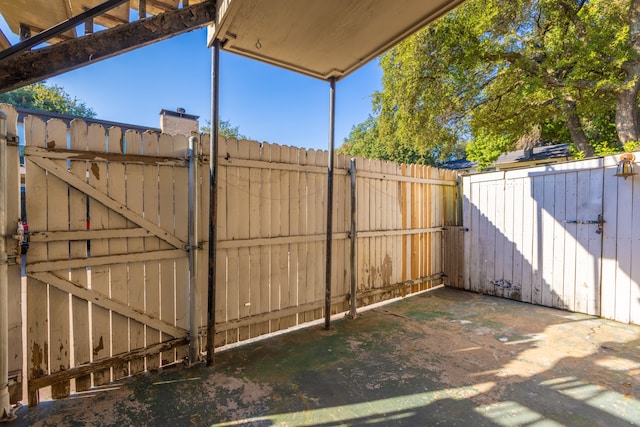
<point x="600" y="222"/>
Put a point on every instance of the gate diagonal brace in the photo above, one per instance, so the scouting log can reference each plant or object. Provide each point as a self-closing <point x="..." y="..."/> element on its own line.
<point x="69" y="178"/>
<point x="108" y="304"/>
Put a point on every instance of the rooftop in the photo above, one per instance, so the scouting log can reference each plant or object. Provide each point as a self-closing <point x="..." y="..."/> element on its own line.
<point x="536" y="153"/>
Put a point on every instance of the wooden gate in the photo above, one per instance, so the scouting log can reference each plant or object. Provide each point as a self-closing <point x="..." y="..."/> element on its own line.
<point x="107" y="267"/>
<point x="561" y="236"/>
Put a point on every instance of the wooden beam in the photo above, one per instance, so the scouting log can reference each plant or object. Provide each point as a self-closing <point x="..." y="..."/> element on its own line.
<point x="34" y="66"/>
<point x="4" y="41"/>
<point x="58" y="236"/>
<point x="386" y="233"/>
<point x="65" y="29"/>
<point x="160" y="5"/>
<point x="107" y="303"/>
<point x="277" y="314"/>
<point x="142" y="9"/>
<point x="63" y="154"/>
<point x="390" y="288"/>
<point x="91" y="191"/>
<point x="389" y="177"/>
<point x="260" y="164"/>
<point x="308" y="238"/>
<point x="43" y="266"/>
<point x="273" y="241"/>
<point x="272" y="315"/>
<point x="79" y="371"/>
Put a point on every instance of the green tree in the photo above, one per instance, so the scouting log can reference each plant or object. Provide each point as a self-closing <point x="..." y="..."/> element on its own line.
<point x="54" y="98"/>
<point x="627" y="115"/>
<point x="364" y="140"/>
<point x="494" y="71"/>
<point x="224" y="129"/>
<point x="486" y="149"/>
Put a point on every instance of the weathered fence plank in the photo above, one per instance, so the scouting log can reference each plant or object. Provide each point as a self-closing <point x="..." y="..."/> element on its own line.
<point x="118" y="273"/>
<point x="180" y="218"/>
<point x="133" y="190"/>
<point x="58" y="219"/>
<point x="99" y="219"/>
<point x="166" y="220"/>
<point x="37" y="312"/>
<point x="15" y="302"/>
<point x="78" y="249"/>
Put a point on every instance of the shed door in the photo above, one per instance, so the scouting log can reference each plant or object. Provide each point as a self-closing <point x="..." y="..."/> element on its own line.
<point x="535" y="235"/>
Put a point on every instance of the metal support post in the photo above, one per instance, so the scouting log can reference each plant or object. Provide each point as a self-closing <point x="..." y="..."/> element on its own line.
<point x="213" y="199"/>
<point x="194" y="295"/>
<point x="353" y="313"/>
<point x="332" y="132"/>
<point x="5" y="403"/>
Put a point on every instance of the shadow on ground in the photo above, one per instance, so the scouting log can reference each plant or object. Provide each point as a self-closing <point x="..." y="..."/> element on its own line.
<point x="445" y="357"/>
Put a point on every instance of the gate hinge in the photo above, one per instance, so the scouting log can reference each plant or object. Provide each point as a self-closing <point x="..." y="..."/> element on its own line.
<point x="20" y="236"/>
<point x="15" y="377"/>
<point x="13" y="140"/>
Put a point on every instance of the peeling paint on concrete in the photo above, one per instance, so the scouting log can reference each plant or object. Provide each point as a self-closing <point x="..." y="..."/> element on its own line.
<point x="396" y="365"/>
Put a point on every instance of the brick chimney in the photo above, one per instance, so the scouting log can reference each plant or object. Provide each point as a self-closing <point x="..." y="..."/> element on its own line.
<point x="179" y="122"/>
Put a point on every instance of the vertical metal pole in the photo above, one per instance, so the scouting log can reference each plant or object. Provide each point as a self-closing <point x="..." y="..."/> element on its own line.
<point x="5" y="403"/>
<point x="213" y="199"/>
<point x="353" y="313"/>
<point x="332" y="132"/>
<point x="194" y="295"/>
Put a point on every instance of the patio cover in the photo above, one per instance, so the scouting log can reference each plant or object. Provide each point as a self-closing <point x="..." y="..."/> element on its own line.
<point x="320" y="38"/>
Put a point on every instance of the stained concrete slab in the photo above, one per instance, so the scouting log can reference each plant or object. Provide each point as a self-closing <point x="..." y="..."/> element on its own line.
<point x="445" y="357"/>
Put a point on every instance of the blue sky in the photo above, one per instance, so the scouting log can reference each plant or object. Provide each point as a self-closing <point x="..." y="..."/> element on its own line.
<point x="267" y="103"/>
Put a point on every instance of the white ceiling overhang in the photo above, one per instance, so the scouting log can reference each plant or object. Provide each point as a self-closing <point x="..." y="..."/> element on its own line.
<point x="320" y="38"/>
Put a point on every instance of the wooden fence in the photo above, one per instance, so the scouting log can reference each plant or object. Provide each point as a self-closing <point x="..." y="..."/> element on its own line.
<point x="108" y="267"/>
<point x="271" y="234"/>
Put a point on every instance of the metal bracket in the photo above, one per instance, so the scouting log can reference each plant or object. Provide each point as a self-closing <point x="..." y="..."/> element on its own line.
<point x="13" y="140"/>
<point x="20" y="235"/>
<point x="195" y="156"/>
<point x="15" y="377"/>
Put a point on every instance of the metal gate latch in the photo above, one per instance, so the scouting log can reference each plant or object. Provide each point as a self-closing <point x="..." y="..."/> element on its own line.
<point x="600" y="222"/>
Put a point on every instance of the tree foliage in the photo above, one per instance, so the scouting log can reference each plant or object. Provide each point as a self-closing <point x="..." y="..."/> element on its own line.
<point x="39" y="96"/>
<point x="364" y="140"/>
<point x="225" y="129"/>
<point x="494" y="71"/>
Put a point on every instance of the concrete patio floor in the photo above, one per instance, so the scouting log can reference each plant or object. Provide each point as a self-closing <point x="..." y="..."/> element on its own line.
<point x="445" y="357"/>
